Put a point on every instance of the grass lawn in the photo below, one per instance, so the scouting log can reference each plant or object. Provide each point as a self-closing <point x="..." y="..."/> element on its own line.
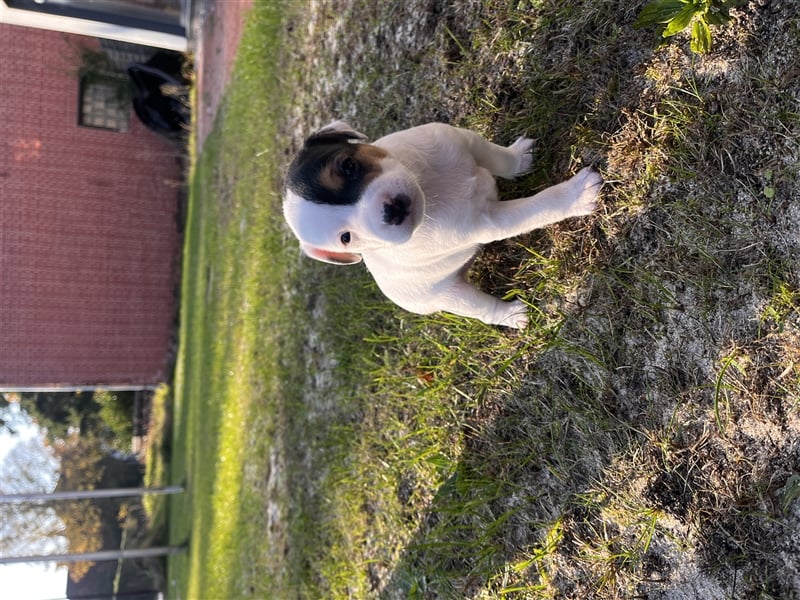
<point x="640" y="439"/>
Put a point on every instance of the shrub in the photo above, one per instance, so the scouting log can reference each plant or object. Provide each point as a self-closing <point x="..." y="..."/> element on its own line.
<point x="116" y="413"/>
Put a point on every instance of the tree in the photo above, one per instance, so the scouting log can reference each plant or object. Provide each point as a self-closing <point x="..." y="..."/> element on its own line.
<point x="44" y="526"/>
<point x="81" y="469"/>
<point x="100" y="414"/>
<point x="60" y="413"/>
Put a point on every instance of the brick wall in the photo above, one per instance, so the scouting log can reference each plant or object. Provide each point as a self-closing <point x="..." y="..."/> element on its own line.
<point x="88" y="237"/>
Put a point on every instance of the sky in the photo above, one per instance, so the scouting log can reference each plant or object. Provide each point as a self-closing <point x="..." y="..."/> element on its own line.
<point x="32" y="582"/>
<point x="27" y="581"/>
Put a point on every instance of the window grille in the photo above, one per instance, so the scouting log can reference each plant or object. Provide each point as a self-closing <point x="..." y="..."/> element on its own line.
<point x="104" y="103"/>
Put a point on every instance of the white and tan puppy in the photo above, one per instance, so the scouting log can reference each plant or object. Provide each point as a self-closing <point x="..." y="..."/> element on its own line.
<point x="416" y="206"/>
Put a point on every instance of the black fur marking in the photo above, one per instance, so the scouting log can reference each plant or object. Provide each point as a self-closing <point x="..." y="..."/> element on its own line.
<point x="325" y="154"/>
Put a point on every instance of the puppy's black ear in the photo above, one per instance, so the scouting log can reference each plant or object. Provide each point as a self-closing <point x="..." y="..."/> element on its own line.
<point x="338" y="131"/>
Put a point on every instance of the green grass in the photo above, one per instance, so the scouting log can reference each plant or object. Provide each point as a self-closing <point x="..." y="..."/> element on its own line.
<point x="639" y="437"/>
<point x="234" y="319"/>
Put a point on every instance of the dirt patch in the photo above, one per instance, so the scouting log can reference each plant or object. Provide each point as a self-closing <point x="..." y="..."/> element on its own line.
<point x="217" y="30"/>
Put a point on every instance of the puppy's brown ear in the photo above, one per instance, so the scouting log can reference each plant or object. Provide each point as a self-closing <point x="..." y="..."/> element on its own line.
<point x="334" y="258"/>
<point x="338" y="131"/>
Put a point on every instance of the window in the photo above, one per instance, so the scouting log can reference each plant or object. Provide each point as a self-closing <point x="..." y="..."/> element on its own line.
<point x="104" y="103"/>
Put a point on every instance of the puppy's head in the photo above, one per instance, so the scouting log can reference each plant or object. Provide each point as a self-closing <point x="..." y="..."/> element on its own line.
<point x="344" y="196"/>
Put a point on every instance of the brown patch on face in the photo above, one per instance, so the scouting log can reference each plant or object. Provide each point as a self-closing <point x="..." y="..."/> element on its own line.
<point x="356" y="163"/>
<point x="369" y="157"/>
<point x="370" y="153"/>
<point x="330" y="178"/>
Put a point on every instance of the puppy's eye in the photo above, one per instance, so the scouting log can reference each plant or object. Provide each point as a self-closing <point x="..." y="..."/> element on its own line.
<point x="347" y="167"/>
<point x="345" y="238"/>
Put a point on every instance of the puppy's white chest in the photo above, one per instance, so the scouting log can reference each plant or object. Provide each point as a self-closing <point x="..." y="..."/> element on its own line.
<point x="463" y="195"/>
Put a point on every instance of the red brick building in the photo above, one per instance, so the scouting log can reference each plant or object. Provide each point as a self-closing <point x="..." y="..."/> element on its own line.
<point x="88" y="224"/>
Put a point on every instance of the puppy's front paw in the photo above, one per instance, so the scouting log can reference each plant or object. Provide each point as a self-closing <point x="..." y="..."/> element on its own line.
<point x="515" y="314"/>
<point x="522" y="150"/>
<point x="586" y="185"/>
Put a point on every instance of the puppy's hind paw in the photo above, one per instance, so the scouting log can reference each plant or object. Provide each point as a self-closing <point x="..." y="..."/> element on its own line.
<point x="522" y="150"/>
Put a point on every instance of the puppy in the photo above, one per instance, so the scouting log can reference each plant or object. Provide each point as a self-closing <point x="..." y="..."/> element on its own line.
<point x="416" y="206"/>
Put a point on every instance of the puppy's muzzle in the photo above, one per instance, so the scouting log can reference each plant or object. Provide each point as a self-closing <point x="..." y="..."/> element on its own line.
<point x="396" y="209"/>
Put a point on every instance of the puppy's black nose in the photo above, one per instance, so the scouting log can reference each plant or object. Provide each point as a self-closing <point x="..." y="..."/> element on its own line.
<point x="396" y="209"/>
